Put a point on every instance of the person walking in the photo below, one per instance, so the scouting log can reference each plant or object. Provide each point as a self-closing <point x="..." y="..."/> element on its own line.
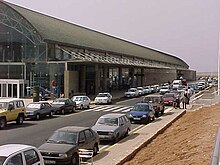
<point x="185" y="99"/>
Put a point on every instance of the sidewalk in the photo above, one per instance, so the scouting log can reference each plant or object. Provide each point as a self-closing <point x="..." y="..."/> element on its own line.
<point x="129" y="146"/>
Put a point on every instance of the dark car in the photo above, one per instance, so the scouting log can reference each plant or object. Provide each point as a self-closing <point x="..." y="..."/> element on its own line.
<point x="169" y="98"/>
<point x="142" y="112"/>
<point x="63" y="105"/>
<point x="157" y="102"/>
<point x="36" y="110"/>
<point x="62" y="147"/>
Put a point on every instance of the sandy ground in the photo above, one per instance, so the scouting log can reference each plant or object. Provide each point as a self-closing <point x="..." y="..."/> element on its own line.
<point x="188" y="141"/>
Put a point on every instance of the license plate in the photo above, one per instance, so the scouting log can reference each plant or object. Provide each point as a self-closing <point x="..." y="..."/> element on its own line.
<point x="137" y="119"/>
<point x="49" y="161"/>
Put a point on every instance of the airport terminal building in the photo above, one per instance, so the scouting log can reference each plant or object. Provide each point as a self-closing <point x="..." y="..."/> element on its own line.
<point x="36" y="49"/>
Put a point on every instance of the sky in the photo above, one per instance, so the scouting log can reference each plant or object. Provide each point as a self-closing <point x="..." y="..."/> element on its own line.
<point x="187" y="29"/>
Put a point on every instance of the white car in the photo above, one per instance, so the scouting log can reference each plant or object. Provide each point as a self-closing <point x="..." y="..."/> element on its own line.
<point x="132" y="92"/>
<point x="82" y="102"/>
<point x="103" y="98"/>
<point x="140" y="91"/>
<point x="14" y="154"/>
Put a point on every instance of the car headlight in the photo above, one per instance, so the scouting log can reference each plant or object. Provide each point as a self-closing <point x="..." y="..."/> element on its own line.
<point x="63" y="155"/>
<point x="144" y="116"/>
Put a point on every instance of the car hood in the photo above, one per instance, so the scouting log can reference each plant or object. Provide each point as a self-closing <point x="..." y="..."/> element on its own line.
<point x="59" y="148"/>
<point x="31" y="109"/>
<point x="129" y="92"/>
<point x="138" y="113"/>
<point x="104" y="128"/>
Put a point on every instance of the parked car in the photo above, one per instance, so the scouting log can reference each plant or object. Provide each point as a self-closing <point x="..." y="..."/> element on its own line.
<point x="157" y="102"/>
<point x="63" y="105"/>
<point x="112" y="126"/>
<point x="37" y="110"/>
<point x="147" y="90"/>
<point x="11" y="110"/>
<point x="20" y="154"/>
<point x="132" y="92"/>
<point x="142" y="112"/>
<point x="82" y="102"/>
<point x="164" y="89"/>
<point x="140" y="91"/>
<point x="169" y="98"/>
<point x="62" y="147"/>
<point x="103" y="98"/>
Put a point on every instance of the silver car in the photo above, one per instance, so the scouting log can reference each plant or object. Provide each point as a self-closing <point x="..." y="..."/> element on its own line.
<point x="82" y="102"/>
<point x="112" y="126"/>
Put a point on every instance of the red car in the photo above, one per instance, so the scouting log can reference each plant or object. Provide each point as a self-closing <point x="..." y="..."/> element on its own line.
<point x="169" y="98"/>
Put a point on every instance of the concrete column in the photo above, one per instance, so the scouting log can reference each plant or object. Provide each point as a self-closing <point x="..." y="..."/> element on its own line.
<point x="82" y="78"/>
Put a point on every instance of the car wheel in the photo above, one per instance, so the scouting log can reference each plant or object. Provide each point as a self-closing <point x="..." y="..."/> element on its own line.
<point x="2" y="123"/>
<point x="81" y="107"/>
<point x="20" y="119"/>
<point x="95" y="149"/>
<point x="157" y="114"/>
<point x="74" y="108"/>
<point x="75" y="159"/>
<point x="37" y="116"/>
<point x="153" y="118"/>
<point x="51" y="114"/>
<point x="62" y="111"/>
<point x="88" y="107"/>
<point x="116" y="138"/>
<point x="126" y="133"/>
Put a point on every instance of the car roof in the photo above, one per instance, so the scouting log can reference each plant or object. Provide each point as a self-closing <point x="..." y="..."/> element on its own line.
<point x="61" y="99"/>
<point x="113" y="115"/>
<point x="72" y="128"/>
<point x="8" y="149"/>
<point x="10" y="99"/>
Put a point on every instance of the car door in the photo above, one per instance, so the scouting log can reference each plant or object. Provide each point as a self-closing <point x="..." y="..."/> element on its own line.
<point x="90" y="138"/>
<point x="82" y="143"/>
<point x="32" y="157"/>
<point x="122" y="126"/>
<point x="43" y="110"/>
<point x="11" y="111"/>
<point x="15" y="159"/>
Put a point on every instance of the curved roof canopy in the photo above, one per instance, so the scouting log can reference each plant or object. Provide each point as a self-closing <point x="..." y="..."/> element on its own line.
<point x="55" y="30"/>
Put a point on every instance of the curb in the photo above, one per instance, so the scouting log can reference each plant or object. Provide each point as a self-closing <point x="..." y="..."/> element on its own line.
<point x="131" y="155"/>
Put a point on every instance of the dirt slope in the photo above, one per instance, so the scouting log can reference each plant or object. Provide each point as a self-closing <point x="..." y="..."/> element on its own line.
<point x="188" y="141"/>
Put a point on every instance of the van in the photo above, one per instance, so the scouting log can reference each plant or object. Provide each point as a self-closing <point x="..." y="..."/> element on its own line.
<point x="176" y="84"/>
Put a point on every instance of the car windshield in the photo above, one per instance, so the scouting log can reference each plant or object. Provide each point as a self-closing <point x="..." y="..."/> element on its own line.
<point x="131" y="90"/>
<point x="139" y="88"/>
<point x="168" y="95"/>
<point x="2" y="159"/>
<point x="102" y="95"/>
<point x="3" y="105"/>
<point x="141" y="107"/>
<point x="34" y="106"/>
<point x="107" y="121"/>
<point x="78" y="98"/>
<point x="63" y="137"/>
<point x="59" y="102"/>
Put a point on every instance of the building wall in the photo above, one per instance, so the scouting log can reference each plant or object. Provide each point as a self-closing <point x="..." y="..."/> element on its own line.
<point x="158" y="76"/>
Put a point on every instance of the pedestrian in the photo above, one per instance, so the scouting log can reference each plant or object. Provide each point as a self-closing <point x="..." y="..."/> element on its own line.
<point x="185" y="99"/>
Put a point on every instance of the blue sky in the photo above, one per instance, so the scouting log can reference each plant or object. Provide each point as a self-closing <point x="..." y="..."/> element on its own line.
<point x="187" y="29"/>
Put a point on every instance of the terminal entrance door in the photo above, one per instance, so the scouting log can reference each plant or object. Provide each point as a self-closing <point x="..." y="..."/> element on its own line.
<point x="11" y="88"/>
